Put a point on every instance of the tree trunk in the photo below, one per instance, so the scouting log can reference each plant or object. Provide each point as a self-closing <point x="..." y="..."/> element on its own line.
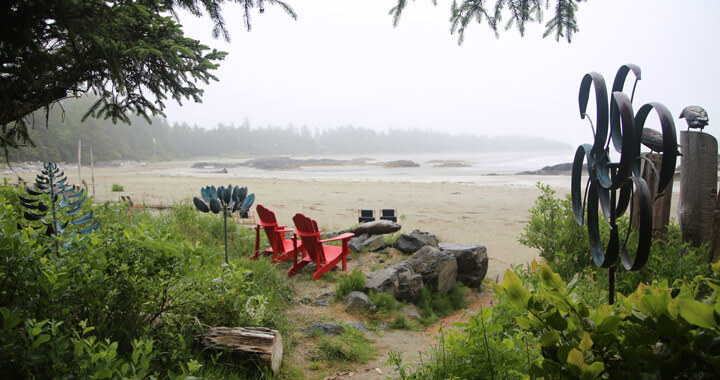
<point x="698" y="186"/>
<point x="660" y="201"/>
<point x="259" y="341"/>
<point x="714" y="248"/>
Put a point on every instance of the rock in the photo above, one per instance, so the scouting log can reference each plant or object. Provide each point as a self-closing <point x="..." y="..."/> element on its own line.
<point x="358" y="302"/>
<point x="409" y="284"/>
<point x="321" y="303"/>
<point x="355" y="243"/>
<point x="411" y="311"/>
<point x="359" y="326"/>
<point x="401" y="164"/>
<point x="472" y="262"/>
<point x="378" y="227"/>
<point x="400" y="281"/>
<point x="325" y="295"/>
<point x="374" y="243"/>
<point x="437" y="268"/>
<point x="410" y="243"/>
<point x="325" y="328"/>
<point x="382" y="281"/>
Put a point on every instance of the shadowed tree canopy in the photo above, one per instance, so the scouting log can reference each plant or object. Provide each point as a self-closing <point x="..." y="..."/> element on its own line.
<point x="131" y="54"/>
<point x="506" y="14"/>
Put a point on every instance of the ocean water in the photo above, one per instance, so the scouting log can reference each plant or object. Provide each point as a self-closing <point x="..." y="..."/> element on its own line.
<point x="496" y="168"/>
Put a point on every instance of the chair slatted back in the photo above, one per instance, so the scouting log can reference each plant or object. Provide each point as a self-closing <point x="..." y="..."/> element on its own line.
<point x="269" y="223"/>
<point x="309" y="233"/>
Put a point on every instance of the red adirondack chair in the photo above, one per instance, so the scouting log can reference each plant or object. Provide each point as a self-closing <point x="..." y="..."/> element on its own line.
<point x="325" y="257"/>
<point x="281" y="248"/>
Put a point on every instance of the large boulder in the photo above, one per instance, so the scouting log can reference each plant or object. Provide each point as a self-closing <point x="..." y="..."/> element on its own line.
<point x="400" y="281"/>
<point x="374" y="243"/>
<point x="358" y="302"/>
<point x="355" y="243"/>
<point x="437" y="268"/>
<point x="410" y="243"/>
<point x="409" y="284"/>
<point x="378" y="227"/>
<point x="472" y="262"/>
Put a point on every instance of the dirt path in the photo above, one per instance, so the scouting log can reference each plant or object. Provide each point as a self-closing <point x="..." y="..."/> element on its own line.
<point x="408" y="343"/>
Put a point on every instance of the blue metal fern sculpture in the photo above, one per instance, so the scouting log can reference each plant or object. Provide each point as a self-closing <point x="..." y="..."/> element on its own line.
<point x="225" y="199"/>
<point x="56" y="204"/>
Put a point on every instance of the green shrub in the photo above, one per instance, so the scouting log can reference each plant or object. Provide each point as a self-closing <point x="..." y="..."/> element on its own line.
<point x="564" y="245"/>
<point x="355" y="281"/>
<point x="400" y="322"/>
<point x="656" y="331"/>
<point x="433" y="305"/>
<point x="141" y="290"/>
<point x="116" y="187"/>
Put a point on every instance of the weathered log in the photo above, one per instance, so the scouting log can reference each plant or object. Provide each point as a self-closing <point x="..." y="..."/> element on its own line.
<point x="262" y="342"/>
<point x="698" y="186"/>
<point x="661" y="201"/>
<point x="378" y="227"/>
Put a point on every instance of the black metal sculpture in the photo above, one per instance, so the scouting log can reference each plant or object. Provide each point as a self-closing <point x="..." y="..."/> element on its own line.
<point x="225" y="199"/>
<point x="613" y="185"/>
<point x="695" y="116"/>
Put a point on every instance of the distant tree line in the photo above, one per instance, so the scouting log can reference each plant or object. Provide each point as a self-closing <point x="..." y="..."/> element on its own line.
<point x="57" y="140"/>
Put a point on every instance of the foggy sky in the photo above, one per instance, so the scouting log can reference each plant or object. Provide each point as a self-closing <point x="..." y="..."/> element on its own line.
<point x="343" y="63"/>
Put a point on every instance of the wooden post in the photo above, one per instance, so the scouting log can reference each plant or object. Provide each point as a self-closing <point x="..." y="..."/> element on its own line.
<point x="661" y="201"/>
<point x="79" y="161"/>
<point x="260" y="341"/>
<point x="698" y="186"/>
<point x="92" y="171"/>
<point x="714" y="248"/>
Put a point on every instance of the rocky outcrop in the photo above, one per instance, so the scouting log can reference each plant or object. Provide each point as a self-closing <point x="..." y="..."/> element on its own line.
<point x="472" y="262"/>
<point x="412" y="242"/>
<point x="355" y="243"/>
<point x="378" y="227"/>
<point x="437" y="268"/>
<point x="358" y="302"/>
<point x="400" y="280"/>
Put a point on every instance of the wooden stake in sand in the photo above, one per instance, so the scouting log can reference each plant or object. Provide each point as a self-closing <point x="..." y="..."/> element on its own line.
<point x="262" y="342"/>
<point x="79" y="161"/>
<point x="92" y="171"/>
<point x="698" y="186"/>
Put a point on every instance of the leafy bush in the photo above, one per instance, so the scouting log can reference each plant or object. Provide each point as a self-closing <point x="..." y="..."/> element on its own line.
<point x="657" y="331"/>
<point x="141" y="292"/>
<point x="433" y="305"/>
<point x="350" y="346"/>
<point x="564" y="245"/>
<point x="355" y="281"/>
<point x="117" y="187"/>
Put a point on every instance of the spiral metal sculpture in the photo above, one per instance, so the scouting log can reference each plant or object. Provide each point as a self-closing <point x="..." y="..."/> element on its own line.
<point x="613" y="185"/>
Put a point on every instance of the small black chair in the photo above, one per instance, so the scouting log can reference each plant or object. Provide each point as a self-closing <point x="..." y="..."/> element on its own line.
<point x="366" y="216"/>
<point x="388" y="214"/>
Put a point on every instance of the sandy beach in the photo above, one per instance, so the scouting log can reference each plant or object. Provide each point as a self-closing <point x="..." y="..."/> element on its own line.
<point x="484" y="209"/>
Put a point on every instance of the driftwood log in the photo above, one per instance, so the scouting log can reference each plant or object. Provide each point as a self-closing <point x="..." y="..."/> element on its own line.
<point x="660" y="201"/>
<point x="262" y="342"/>
<point x="698" y="186"/>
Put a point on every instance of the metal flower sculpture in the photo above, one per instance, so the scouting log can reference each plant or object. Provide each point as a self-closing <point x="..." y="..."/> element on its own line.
<point x="64" y="202"/>
<point x="225" y="199"/>
<point x="613" y="185"/>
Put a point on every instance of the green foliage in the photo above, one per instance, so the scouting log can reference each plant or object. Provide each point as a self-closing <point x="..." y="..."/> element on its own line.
<point x="133" y="304"/>
<point x="132" y="55"/>
<point x="656" y="331"/>
<point x="400" y="322"/>
<point x="385" y="302"/>
<point x="355" y="281"/>
<point x="463" y="12"/>
<point x="350" y="346"/>
<point x="564" y="245"/>
<point x="117" y="187"/>
<point x="433" y="304"/>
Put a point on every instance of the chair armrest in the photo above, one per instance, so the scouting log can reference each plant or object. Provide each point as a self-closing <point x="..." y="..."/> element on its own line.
<point x="345" y="236"/>
<point x="283" y="230"/>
